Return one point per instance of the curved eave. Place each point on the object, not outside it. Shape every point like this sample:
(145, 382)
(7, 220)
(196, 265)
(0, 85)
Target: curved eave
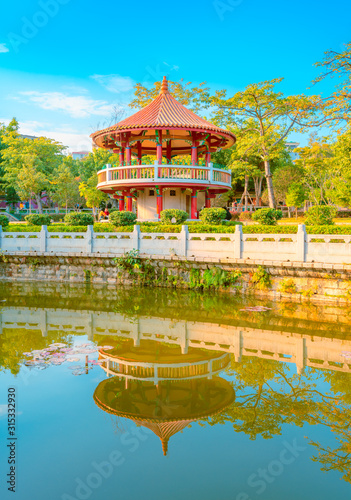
(99, 137)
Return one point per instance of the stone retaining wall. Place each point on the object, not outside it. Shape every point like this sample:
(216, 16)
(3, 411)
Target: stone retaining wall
(305, 281)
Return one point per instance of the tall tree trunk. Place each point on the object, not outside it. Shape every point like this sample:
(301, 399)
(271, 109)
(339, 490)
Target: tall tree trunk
(258, 189)
(246, 191)
(268, 175)
(38, 202)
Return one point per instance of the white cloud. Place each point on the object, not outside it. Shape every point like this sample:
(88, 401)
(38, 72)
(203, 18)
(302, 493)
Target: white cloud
(3, 48)
(115, 83)
(3, 410)
(76, 106)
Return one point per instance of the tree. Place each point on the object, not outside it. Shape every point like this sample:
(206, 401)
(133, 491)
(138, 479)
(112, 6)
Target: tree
(317, 166)
(39, 158)
(66, 188)
(11, 196)
(93, 197)
(247, 163)
(95, 161)
(267, 112)
(30, 182)
(195, 98)
(295, 197)
(340, 190)
(337, 64)
(6, 131)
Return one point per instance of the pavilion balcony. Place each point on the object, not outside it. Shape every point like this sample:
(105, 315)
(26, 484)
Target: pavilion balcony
(213, 175)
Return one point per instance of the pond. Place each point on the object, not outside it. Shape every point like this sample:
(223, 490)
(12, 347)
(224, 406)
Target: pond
(160, 394)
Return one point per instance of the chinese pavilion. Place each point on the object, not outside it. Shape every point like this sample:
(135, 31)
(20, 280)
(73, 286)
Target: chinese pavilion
(166, 130)
(159, 388)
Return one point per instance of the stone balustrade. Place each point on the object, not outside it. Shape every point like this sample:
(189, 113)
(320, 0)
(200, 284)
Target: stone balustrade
(299, 247)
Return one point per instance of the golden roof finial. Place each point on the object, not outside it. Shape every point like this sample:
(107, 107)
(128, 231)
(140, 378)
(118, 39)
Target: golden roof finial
(164, 86)
(164, 442)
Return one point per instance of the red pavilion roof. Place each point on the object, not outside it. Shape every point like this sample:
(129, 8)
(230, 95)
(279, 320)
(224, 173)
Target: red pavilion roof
(165, 112)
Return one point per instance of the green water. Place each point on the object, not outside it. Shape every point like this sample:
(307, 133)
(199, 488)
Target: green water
(161, 394)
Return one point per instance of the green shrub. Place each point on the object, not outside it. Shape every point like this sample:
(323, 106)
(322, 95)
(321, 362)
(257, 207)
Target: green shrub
(4, 222)
(37, 220)
(320, 215)
(244, 216)
(213, 215)
(261, 279)
(180, 216)
(267, 216)
(122, 218)
(287, 285)
(79, 219)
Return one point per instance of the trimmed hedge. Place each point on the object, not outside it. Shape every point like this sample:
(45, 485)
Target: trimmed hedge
(37, 220)
(320, 215)
(4, 222)
(213, 216)
(267, 216)
(172, 228)
(123, 218)
(79, 219)
(161, 228)
(269, 229)
(328, 229)
(167, 215)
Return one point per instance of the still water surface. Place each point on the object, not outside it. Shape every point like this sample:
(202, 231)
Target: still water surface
(156, 394)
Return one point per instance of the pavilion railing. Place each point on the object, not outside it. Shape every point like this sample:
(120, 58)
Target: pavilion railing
(177, 162)
(195, 173)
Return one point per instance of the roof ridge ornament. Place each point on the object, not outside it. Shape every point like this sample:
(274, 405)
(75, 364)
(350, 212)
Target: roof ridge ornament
(164, 86)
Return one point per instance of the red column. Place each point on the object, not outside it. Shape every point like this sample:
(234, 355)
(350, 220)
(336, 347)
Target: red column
(139, 153)
(208, 158)
(194, 204)
(194, 155)
(169, 152)
(129, 202)
(159, 201)
(121, 156)
(159, 148)
(121, 203)
(207, 200)
(128, 155)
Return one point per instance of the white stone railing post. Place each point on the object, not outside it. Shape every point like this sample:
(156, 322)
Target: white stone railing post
(184, 235)
(0, 236)
(210, 173)
(136, 238)
(108, 172)
(89, 240)
(43, 238)
(238, 241)
(301, 243)
(156, 165)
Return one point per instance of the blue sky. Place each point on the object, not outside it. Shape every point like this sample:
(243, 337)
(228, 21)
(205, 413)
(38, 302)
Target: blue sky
(64, 64)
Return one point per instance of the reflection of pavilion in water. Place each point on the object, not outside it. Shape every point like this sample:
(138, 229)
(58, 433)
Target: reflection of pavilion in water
(315, 347)
(158, 387)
